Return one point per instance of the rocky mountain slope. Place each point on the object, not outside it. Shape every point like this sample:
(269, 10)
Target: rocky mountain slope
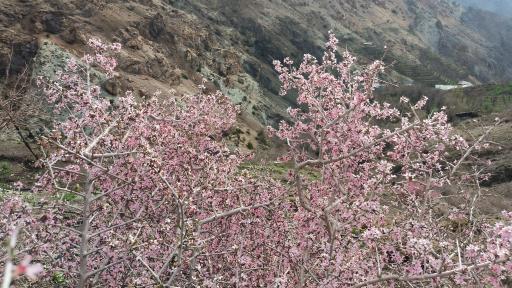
(175, 43)
(502, 7)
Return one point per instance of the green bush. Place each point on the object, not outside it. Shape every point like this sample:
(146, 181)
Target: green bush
(262, 138)
(59, 278)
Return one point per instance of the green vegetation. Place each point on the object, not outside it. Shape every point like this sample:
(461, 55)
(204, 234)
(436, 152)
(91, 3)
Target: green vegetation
(3, 187)
(278, 170)
(357, 231)
(441, 68)
(502, 90)
(480, 99)
(5, 169)
(7, 192)
(59, 278)
(69, 197)
(497, 98)
(262, 138)
(432, 70)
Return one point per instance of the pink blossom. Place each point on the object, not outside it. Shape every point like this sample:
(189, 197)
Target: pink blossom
(30, 270)
(18, 185)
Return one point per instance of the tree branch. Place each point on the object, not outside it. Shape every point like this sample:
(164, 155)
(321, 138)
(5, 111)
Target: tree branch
(468, 152)
(367, 146)
(87, 150)
(231, 213)
(430, 276)
(117, 226)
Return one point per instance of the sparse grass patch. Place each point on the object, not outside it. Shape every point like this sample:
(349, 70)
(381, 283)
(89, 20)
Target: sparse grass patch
(262, 138)
(69, 197)
(5, 169)
(279, 170)
(59, 278)
(6, 191)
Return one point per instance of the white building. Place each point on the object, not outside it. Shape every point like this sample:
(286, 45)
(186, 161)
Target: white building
(465, 84)
(461, 84)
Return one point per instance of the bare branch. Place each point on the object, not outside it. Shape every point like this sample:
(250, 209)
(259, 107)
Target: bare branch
(232, 212)
(117, 226)
(92, 273)
(468, 152)
(153, 274)
(430, 276)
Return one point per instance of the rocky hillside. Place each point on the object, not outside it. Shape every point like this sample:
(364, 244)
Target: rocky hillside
(174, 43)
(429, 41)
(502, 7)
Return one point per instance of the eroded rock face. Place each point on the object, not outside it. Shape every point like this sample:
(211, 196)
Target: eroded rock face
(156, 26)
(130, 37)
(52, 58)
(132, 65)
(157, 66)
(502, 7)
(427, 28)
(53, 22)
(74, 35)
(21, 57)
(135, 43)
(174, 41)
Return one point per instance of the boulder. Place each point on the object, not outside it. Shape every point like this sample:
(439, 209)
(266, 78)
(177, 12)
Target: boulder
(22, 55)
(113, 86)
(135, 43)
(74, 35)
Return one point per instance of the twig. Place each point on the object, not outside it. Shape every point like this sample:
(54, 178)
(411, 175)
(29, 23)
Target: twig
(468, 152)
(367, 146)
(232, 212)
(429, 276)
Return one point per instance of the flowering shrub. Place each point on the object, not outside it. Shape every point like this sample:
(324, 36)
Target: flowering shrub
(158, 191)
(161, 200)
(17, 218)
(374, 215)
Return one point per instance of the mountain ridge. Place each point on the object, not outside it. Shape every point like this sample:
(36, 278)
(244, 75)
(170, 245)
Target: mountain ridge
(173, 44)
(502, 7)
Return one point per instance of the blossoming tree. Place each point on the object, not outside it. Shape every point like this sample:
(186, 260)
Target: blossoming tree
(161, 201)
(156, 191)
(374, 216)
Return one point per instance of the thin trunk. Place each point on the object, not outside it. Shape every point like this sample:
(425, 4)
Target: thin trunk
(84, 247)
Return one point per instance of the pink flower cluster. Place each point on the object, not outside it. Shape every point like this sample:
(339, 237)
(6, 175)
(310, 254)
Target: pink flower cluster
(374, 209)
